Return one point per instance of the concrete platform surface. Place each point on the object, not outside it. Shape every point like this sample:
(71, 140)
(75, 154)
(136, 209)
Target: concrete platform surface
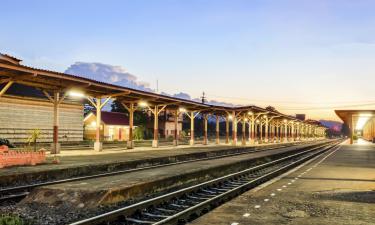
(334, 189)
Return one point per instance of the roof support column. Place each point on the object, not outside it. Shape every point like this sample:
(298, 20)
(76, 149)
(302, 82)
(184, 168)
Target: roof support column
(98, 146)
(261, 132)
(55, 100)
(5, 88)
(217, 129)
(130, 108)
(234, 128)
(56, 145)
(97, 103)
(252, 141)
(278, 137)
(266, 128)
(226, 130)
(175, 141)
(292, 134)
(192, 116)
(244, 129)
(351, 128)
(205, 137)
(285, 131)
(155, 141)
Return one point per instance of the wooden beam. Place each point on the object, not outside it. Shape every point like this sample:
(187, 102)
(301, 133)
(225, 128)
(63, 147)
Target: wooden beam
(5, 88)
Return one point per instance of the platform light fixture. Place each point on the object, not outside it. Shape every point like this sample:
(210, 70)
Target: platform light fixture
(142, 104)
(76, 94)
(230, 117)
(181, 109)
(250, 113)
(285, 120)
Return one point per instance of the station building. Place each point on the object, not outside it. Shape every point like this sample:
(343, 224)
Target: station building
(114, 126)
(24, 109)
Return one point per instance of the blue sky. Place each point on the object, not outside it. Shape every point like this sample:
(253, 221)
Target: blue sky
(300, 56)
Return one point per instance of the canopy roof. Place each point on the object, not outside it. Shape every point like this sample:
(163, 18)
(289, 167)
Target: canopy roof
(351, 116)
(12, 70)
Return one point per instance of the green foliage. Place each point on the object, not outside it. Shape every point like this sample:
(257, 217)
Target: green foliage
(355, 137)
(138, 133)
(34, 135)
(6, 142)
(12, 220)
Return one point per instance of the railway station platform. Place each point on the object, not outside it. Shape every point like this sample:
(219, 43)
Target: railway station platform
(336, 188)
(78, 163)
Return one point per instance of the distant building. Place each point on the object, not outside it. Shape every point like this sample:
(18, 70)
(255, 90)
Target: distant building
(166, 124)
(301, 116)
(114, 126)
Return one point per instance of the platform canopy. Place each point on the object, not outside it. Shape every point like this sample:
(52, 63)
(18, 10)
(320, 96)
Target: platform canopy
(358, 120)
(12, 71)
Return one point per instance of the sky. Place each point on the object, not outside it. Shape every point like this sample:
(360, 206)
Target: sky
(299, 56)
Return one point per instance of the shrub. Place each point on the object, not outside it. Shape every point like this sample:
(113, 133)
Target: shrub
(12, 220)
(34, 135)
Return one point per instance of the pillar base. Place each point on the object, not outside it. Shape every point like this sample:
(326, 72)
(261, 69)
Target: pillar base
(243, 143)
(175, 142)
(57, 150)
(155, 143)
(285, 140)
(205, 142)
(217, 141)
(98, 146)
(234, 142)
(130, 144)
(191, 142)
(265, 140)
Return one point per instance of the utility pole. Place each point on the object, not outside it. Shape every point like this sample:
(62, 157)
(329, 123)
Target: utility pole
(203, 97)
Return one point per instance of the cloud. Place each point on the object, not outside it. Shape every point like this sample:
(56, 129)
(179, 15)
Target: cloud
(120, 76)
(107, 73)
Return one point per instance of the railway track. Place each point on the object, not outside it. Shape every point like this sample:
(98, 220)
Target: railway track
(188, 203)
(17, 193)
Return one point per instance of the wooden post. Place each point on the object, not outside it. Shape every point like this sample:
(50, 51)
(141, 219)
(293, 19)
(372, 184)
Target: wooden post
(205, 138)
(234, 128)
(286, 132)
(226, 130)
(155, 142)
(244, 130)
(130, 143)
(56, 145)
(217, 129)
(192, 128)
(98, 145)
(266, 130)
(130, 108)
(175, 141)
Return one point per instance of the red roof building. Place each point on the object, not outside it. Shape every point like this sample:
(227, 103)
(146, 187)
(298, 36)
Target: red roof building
(114, 126)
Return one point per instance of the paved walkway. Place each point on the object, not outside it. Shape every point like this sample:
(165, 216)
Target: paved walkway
(334, 189)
